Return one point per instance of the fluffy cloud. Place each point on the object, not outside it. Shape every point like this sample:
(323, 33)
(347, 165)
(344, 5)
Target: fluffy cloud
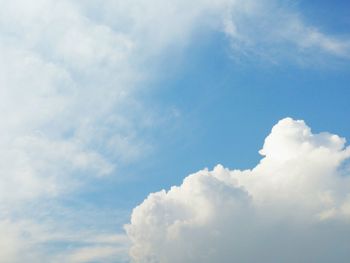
(65, 84)
(54, 94)
(292, 207)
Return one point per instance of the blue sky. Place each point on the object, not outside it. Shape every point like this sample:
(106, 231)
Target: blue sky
(104, 104)
(224, 109)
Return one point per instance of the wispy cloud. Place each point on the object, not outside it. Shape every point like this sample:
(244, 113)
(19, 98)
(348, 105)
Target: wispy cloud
(274, 31)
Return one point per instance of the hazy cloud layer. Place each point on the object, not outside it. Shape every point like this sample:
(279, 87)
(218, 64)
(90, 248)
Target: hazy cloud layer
(294, 206)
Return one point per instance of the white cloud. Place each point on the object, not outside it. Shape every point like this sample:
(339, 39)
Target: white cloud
(71, 75)
(274, 31)
(66, 81)
(13, 239)
(97, 248)
(292, 207)
(28, 237)
(53, 97)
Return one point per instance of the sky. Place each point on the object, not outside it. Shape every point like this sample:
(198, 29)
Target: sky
(152, 131)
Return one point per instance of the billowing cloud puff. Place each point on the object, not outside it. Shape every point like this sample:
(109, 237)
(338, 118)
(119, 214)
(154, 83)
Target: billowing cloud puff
(294, 206)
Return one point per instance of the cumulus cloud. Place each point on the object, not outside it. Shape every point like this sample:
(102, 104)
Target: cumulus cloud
(292, 207)
(54, 94)
(66, 81)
